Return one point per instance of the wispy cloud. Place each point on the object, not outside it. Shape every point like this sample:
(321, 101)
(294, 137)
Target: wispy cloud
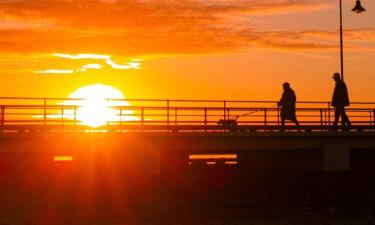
(21, 24)
(133, 64)
(90, 66)
(82, 56)
(55, 71)
(107, 61)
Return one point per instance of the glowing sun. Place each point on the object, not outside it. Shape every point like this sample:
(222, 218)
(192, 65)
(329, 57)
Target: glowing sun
(95, 109)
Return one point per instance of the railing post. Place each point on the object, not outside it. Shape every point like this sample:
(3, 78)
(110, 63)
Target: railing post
(325, 117)
(329, 113)
(2, 118)
(225, 109)
(278, 116)
(142, 118)
(321, 119)
(175, 116)
(120, 114)
(370, 120)
(75, 116)
(107, 106)
(205, 119)
(373, 117)
(168, 114)
(265, 118)
(44, 111)
(62, 117)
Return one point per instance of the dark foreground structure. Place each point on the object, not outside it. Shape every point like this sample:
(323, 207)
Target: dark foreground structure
(152, 165)
(280, 164)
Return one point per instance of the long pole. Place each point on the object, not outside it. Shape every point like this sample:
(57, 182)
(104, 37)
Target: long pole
(341, 44)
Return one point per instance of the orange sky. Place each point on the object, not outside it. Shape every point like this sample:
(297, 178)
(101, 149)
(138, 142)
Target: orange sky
(193, 49)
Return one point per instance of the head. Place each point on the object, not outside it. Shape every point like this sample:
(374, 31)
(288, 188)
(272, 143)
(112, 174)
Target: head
(286, 85)
(336, 76)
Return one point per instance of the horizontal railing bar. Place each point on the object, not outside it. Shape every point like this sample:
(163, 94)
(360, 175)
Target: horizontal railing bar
(209, 109)
(72, 107)
(187, 126)
(173, 100)
(200, 122)
(164, 125)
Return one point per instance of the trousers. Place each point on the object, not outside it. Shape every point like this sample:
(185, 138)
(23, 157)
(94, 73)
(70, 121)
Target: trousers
(340, 112)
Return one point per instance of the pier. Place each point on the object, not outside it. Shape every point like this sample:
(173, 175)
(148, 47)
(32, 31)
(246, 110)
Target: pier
(181, 144)
(158, 115)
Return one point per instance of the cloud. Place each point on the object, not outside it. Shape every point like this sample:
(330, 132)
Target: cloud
(130, 65)
(90, 66)
(310, 39)
(19, 24)
(136, 27)
(55, 71)
(133, 64)
(107, 59)
(82, 56)
(157, 27)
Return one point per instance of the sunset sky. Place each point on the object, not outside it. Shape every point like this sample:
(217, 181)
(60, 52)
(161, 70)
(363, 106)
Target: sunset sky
(185, 49)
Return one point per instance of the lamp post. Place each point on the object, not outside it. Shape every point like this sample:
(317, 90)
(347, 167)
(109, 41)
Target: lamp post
(357, 9)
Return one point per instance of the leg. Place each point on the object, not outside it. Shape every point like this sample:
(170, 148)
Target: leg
(345, 118)
(341, 113)
(282, 128)
(297, 123)
(337, 117)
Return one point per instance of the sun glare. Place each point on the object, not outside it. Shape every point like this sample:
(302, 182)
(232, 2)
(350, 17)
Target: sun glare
(95, 109)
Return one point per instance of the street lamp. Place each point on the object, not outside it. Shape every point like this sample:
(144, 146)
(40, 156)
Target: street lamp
(357, 9)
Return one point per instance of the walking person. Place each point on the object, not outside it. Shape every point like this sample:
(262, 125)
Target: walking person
(340, 100)
(288, 106)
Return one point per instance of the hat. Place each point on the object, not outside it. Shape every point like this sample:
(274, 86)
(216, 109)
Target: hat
(336, 75)
(286, 84)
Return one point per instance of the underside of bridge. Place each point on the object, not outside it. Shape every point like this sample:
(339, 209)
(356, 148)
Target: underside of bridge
(289, 162)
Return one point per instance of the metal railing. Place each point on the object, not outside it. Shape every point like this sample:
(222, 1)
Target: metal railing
(63, 114)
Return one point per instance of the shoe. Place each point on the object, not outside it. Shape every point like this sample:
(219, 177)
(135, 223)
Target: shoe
(346, 128)
(333, 129)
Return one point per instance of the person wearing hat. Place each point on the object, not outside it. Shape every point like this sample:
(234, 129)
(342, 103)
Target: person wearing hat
(288, 105)
(340, 100)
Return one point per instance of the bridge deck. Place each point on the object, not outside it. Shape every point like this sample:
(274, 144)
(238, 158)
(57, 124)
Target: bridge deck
(182, 128)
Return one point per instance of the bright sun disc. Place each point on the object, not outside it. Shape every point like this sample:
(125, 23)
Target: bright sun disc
(95, 109)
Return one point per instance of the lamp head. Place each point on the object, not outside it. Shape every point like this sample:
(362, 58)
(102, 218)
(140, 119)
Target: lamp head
(358, 7)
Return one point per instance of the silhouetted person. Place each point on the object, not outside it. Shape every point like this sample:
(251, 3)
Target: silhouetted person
(288, 106)
(340, 99)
